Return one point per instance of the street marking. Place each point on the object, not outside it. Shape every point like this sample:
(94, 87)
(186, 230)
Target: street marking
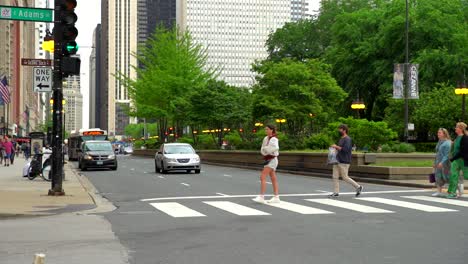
(161, 177)
(222, 194)
(297, 208)
(186, 184)
(266, 182)
(236, 209)
(227, 175)
(282, 195)
(322, 191)
(176, 210)
(438, 200)
(350, 206)
(415, 206)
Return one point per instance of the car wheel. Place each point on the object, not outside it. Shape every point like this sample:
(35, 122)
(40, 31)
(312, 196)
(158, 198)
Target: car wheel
(156, 167)
(197, 171)
(163, 171)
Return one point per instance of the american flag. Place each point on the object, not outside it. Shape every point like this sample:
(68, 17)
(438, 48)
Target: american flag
(4, 90)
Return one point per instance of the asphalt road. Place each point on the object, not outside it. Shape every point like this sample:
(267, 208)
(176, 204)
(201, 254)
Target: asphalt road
(209, 218)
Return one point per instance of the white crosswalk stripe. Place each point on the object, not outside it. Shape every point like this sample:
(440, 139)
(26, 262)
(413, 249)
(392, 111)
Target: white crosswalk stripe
(350, 206)
(297, 208)
(176, 210)
(236, 209)
(438, 200)
(415, 206)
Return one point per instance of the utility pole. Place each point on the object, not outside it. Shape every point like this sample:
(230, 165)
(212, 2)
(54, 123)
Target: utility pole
(406, 86)
(64, 45)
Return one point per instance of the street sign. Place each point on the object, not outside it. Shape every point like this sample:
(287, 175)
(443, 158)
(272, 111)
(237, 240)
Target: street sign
(26, 14)
(36, 62)
(42, 79)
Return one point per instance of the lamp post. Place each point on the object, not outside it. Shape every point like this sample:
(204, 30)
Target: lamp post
(462, 90)
(358, 105)
(280, 121)
(311, 123)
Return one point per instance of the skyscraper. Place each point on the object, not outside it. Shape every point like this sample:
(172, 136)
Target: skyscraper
(73, 108)
(299, 10)
(119, 37)
(96, 100)
(234, 32)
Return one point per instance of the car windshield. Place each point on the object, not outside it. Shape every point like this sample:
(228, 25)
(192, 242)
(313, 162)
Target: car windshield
(98, 147)
(178, 150)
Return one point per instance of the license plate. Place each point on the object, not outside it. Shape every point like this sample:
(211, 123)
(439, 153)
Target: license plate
(99, 163)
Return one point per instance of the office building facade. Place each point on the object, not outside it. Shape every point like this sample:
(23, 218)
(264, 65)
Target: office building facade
(234, 32)
(119, 40)
(299, 10)
(73, 107)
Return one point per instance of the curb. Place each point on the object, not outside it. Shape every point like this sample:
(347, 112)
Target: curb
(102, 204)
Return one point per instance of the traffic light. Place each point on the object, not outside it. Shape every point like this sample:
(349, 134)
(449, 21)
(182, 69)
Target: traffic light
(65, 33)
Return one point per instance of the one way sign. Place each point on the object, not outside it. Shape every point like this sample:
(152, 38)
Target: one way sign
(42, 79)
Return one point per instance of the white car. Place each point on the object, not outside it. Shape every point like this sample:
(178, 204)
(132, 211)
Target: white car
(176, 156)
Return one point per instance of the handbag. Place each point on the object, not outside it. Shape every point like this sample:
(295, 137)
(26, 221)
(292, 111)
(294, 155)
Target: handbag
(332, 159)
(432, 178)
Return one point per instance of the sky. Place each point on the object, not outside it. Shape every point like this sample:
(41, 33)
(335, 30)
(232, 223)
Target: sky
(89, 15)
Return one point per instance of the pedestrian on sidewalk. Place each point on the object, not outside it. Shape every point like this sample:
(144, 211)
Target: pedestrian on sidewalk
(270, 152)
(8, 146)
(458, 169)
(344, 155)
(26, 150)
(2, 150)
(442, 161)
(13, 152)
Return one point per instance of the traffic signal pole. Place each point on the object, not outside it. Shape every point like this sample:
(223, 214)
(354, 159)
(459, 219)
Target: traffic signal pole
(57, 153)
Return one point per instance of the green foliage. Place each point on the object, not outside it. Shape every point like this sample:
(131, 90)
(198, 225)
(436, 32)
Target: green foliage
(398, 148)
(149, 143)
(234, 138)
(364, 133)
(296, 40)
(319, 141)
(206, 141)
(293, 90)
(425, 147)
(219, 105)
(187, 140)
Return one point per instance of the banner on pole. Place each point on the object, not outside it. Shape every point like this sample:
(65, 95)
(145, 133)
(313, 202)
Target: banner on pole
(398, 77)
(413, 92)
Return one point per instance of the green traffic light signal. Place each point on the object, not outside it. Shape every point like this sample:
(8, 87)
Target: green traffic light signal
(71, 47)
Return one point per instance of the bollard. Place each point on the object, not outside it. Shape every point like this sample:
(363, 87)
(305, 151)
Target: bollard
(39, 258)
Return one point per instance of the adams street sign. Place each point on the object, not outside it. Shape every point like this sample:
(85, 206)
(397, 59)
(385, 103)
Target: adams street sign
(26, 14)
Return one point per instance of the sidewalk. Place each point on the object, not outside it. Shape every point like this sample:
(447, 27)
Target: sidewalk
(66, 228)
(23, 197)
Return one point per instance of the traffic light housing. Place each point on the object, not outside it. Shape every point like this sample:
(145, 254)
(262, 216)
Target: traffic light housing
(65, 33)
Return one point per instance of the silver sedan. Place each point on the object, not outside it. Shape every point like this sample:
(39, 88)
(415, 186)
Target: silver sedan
(176, 156)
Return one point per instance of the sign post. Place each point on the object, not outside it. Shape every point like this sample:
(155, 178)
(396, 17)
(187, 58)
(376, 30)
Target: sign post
(42, 79)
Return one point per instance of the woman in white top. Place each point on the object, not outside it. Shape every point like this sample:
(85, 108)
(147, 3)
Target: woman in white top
(270, 152)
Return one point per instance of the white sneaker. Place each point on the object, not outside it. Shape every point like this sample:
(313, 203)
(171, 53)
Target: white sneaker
(436, 194)
(275, 199)
(259, 199)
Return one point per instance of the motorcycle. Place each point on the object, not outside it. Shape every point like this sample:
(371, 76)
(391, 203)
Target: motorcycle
(40, 165)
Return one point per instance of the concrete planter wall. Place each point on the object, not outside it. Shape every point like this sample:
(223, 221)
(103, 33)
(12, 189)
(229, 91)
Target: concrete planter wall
(316, 163)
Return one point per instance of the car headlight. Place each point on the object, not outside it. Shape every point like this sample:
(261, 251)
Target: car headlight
(111, 157)
(171, 160)
(196, 159)
(88, 157)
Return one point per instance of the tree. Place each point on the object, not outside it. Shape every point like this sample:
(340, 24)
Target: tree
(294, 91)
(172, 67)
(218, 106)
(296, 40)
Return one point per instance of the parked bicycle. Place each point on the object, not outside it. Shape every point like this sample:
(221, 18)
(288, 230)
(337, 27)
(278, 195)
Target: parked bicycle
(40, 165)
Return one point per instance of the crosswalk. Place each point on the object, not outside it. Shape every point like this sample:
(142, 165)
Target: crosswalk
(372, 205)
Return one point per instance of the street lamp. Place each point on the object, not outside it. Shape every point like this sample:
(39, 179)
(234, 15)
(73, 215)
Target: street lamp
(358, 105)
(462, 90)
(280, 121)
